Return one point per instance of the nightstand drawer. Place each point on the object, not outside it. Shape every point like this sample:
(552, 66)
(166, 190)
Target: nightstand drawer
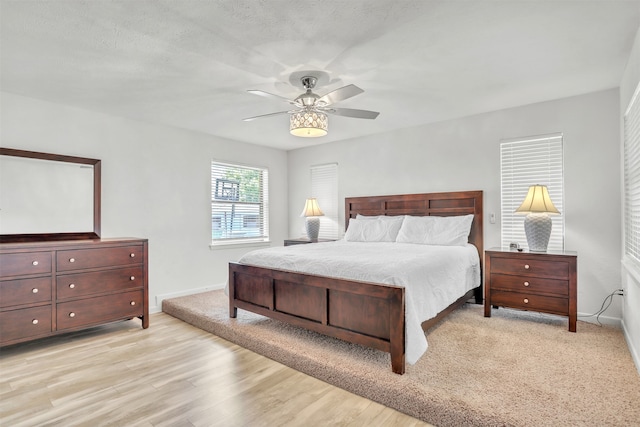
(530, 267)
(534, 285)
(530, 302)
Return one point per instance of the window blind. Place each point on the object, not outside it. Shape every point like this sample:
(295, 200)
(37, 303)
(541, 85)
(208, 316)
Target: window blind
(632, 178)
(239, 203)
(324, 187)
(525, 162)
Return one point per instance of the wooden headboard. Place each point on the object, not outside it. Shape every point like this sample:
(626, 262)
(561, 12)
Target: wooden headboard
(438, 204)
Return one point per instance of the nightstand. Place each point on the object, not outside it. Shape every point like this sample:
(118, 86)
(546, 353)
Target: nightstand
(535, 281)
(302, 241)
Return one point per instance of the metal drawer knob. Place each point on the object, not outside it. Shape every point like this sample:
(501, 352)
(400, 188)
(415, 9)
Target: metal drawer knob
(132, 303)
(132, 278)
(526, 266)
(34, 321)
(72, 285)
(526, 300)
(72, 314)
(526, 283)
(72, 260)
(34, 290)
(35, 263)
(132, 255)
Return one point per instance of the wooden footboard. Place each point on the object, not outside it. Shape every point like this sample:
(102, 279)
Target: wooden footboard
(364, 313)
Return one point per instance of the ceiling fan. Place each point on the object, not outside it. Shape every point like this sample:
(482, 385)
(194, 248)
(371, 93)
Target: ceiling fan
(309, 116)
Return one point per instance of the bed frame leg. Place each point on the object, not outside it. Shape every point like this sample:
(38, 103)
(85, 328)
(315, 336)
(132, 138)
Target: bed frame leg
(397, 332)
(233, 310)
(477, 292)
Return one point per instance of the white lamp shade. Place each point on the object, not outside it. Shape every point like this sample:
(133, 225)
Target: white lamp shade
(311, 208)
(537, 201)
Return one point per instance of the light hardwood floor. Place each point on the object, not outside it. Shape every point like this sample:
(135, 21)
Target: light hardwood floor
(171, 374)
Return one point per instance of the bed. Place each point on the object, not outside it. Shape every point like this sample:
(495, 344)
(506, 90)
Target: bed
(359, 311)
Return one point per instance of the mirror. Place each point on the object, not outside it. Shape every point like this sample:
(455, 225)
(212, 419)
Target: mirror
(48, 196)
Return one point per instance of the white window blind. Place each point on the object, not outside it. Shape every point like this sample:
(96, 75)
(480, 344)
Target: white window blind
(632, 179)
(324, 187)
(239, 203)
(525, 162)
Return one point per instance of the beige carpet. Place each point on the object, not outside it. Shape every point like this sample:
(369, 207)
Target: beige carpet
(513, 369)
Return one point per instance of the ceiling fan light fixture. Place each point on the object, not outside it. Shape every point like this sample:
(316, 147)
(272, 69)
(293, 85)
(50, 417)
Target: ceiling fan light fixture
(308, 123)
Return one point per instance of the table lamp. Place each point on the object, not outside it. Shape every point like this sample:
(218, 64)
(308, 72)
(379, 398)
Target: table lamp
(312, 223)
(537, 224)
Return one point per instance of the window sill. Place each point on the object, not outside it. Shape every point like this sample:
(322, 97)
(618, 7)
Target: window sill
(234, 245)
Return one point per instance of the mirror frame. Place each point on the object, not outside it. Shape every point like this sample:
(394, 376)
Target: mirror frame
(97, 180)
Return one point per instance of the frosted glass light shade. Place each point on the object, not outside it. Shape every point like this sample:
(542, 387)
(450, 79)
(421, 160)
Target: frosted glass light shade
(308, 124)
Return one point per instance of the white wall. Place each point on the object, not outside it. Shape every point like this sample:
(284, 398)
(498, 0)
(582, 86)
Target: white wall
(630, 270)
(463, 154)
(155, 184)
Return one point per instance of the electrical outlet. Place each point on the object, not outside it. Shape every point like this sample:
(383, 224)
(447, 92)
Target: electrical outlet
(492, 218)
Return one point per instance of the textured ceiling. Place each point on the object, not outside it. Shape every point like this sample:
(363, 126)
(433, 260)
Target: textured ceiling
(188, 63)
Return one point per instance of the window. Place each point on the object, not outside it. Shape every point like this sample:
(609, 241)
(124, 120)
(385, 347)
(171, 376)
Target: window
(525, 162)
(324, 187)
(239, 204)
(632, 179)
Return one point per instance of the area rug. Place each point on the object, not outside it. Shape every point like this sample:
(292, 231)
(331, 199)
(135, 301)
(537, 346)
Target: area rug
(513, 369)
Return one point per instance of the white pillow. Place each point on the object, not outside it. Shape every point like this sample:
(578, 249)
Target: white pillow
(436, 230)
(373, 230)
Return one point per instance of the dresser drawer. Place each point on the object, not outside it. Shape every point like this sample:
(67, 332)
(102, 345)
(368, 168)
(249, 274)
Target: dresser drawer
(89, 311)
(20, 264)
(95, 258)
(530, 267)
(530, 302)
(534, 285)
(28, 322)
(76, 285)
(25, 291)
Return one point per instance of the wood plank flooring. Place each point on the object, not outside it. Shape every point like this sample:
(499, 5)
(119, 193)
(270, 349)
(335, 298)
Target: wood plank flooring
(171, 374)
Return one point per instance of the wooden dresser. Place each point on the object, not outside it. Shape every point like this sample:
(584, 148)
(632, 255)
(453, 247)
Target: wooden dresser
(47, 288)
(544, 282)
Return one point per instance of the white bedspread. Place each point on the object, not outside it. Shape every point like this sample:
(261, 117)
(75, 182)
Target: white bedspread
(433, 276)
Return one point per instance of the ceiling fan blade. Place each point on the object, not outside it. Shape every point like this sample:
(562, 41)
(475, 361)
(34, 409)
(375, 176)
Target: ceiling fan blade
(350, 112)
(248, 119)
(270, 95)
(340, 94)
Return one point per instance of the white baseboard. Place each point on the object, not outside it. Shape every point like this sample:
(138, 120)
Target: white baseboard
(632, 349)
(159, 298)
